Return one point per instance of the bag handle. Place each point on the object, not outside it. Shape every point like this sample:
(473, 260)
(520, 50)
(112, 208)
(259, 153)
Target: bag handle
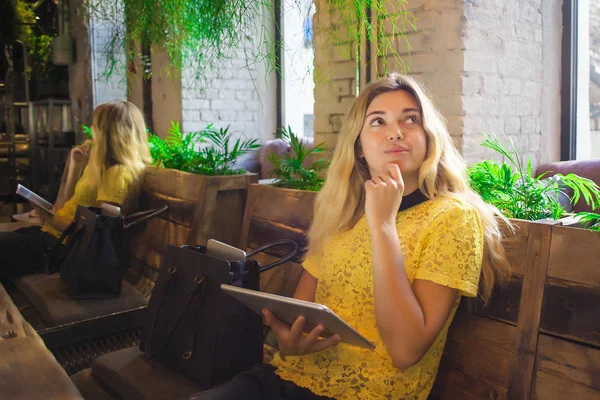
(200, 280)
(141, 216)
(288, 257)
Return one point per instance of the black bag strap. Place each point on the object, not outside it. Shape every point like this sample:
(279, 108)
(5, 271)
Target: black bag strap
(200, 281)
(288, 257)
(141, 216)
(70, 230)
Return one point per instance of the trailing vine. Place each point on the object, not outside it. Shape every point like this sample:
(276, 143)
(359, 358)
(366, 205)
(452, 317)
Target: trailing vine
(199, 33)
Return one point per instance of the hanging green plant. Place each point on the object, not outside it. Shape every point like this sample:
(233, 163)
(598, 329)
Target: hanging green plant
(40, 49)
(198, 33)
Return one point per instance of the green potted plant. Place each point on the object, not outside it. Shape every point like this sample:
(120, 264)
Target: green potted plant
(297, 179)
(518, 194)
(295, 170)
(199, 167)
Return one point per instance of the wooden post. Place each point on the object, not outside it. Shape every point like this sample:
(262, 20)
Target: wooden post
(522, 368)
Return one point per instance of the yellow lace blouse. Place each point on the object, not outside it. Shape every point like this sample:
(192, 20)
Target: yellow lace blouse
(442, 241)
(115, 188)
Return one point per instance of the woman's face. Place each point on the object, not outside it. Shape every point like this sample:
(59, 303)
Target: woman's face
(393, 133)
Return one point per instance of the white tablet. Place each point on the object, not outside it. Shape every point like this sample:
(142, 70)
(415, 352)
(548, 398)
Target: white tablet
(288, 309)
(224, 251)
(34, 198)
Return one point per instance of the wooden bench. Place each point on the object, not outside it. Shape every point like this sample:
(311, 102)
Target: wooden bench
(537, 339)
(62, 319)
(133, 375)
(540, 336)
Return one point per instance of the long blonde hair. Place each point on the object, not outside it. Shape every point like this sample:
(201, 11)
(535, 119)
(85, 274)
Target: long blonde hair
(340, 204)
(120, 138)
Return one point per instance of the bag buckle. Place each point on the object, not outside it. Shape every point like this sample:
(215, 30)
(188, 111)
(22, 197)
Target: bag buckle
(187, 355)
(199, 279)
(172, 269)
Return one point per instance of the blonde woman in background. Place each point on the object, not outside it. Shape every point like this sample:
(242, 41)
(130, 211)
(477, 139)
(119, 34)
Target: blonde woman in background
(114, 175)
(398, 237)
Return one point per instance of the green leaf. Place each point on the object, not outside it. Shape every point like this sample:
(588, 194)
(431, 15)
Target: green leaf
(288, 170)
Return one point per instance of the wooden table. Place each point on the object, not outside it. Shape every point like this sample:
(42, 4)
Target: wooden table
(27, 368)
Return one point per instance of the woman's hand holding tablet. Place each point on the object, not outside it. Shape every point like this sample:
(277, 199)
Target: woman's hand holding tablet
(287, 310)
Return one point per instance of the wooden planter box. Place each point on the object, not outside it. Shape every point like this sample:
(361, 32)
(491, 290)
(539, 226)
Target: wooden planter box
(200, 208)
(273, 214)
(539, 338)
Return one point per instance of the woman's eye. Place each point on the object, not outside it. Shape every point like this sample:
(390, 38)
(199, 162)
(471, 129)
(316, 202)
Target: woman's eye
(377, 122)
(412, 119)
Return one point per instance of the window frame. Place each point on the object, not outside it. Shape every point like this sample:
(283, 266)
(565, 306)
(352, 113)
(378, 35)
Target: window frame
(569, 65)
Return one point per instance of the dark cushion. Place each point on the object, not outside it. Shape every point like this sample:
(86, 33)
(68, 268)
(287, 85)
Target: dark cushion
(91, 388)
(134, 375)
(48, 295)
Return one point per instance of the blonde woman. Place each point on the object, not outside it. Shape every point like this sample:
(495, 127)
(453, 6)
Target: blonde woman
(398, 237)
(114, 175)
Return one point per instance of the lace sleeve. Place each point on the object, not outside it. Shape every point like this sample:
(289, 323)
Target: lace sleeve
(452, 250)
(311, 267)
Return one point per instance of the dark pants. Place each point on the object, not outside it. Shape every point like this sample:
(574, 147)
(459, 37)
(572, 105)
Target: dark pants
(259, 383)
(22, 251)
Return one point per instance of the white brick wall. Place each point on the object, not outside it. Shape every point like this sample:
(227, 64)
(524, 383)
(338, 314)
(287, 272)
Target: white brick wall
(230, 94)
(502, 76)
(493, 67)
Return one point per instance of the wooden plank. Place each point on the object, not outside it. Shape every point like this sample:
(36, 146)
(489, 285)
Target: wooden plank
(458, 386)
(522, 366)
(253, 192)
(550, 387)
(179, 184)
(515, 245)
(263, 231)
(203, 219)
(156, 233)
(235, 182)
(576, 366)
(179, 211)
(286, 206)
(476, 359)
(574, 255)
(504, 303)
(572, 311)
(228, 218)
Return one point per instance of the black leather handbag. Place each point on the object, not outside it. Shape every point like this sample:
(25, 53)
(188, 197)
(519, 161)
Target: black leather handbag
(195, 328)
(91, 262)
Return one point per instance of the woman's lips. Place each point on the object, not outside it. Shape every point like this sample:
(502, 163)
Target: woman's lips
(397, 151)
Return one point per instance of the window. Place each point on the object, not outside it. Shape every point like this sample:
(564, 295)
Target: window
(581, 80)
(297, 84)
